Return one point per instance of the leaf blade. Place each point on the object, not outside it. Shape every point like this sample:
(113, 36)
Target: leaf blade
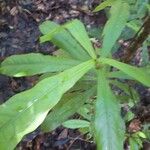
(59, 36)
(76, 123)
(34, 63)
(77, 30)
(103, 5)
(140, 74)
(114, 26)
(24, 112)
(68, 105)
(109, 127)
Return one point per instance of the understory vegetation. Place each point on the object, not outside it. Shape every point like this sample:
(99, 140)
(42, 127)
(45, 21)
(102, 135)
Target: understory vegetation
(93, 82)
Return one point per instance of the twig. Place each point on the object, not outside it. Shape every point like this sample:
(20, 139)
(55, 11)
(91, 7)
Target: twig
(138, 41)
(68, 148)
(77, 138)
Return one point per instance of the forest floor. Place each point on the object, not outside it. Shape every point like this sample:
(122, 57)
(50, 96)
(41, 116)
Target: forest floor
(19, 34)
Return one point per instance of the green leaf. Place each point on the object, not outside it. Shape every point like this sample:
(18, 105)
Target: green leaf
(146, 130)
(76, 123)
(141, 134)
(114, 26)
(65, 38)
(61, 112)
(145, 54)
(68, 105)
(77, 30)
(129, 116)
(103, 5)
(85, 112)
(133, 144)
(127, 90)
(109, 126)
(24, 112)
(124, 87)
(31, 64)
(133, 25)
(119, 74)
(122, 75)
(141, 8)
(123, 98)
(137, 73)
(95, 33)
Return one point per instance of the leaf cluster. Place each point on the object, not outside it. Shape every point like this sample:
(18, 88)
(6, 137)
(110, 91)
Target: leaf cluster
(79, 81)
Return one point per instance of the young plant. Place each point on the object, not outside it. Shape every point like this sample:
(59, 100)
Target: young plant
(76, 81)
(135, 140)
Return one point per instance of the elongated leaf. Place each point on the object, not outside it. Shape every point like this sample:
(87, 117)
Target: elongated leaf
(68, 105)
(24, 112)
(122, 75)
(109, 127)
(31, 64)
(119, 74)
(145, 54)
(103, 5)
(114, 26)
(137, 73)
(76, 123)
(127, 89)
(77, 30)
(63, 39)
(64, 109)
(124, 87)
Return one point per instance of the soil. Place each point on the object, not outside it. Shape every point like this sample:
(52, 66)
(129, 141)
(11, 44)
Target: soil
(19, 34)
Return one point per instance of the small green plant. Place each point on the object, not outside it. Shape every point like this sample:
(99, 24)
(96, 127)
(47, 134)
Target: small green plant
(135, 140)
(78, 80)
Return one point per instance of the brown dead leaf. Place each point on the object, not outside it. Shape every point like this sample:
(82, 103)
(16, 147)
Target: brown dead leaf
(134, 126)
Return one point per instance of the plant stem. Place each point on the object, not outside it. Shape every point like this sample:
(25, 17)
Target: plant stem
(138, 40)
